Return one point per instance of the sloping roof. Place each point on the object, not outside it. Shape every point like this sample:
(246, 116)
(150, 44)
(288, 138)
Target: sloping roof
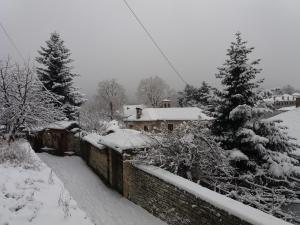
(58, 125)
(129, 110)
(61, 125)
(158, 114)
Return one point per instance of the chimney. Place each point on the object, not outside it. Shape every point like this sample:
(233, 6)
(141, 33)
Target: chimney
(139, 113)
(166, 103)
(297, 101)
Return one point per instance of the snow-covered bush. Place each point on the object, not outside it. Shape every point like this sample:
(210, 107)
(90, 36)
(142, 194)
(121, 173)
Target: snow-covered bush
(64, 201)
(17, 154)
(93, 119)
(189, 151)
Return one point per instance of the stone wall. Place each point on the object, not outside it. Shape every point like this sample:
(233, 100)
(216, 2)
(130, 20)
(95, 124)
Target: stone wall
(106, 162)
(98, 160)
(73, 143)
(175, 203)
(177, 206)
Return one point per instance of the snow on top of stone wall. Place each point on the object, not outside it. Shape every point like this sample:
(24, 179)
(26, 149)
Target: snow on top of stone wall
(238, 209)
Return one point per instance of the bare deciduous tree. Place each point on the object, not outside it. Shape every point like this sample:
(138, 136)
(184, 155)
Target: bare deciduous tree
(111, 97)
(152, 90)
(24, 103)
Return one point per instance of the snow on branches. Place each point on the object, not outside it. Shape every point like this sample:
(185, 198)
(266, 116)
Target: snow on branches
(24, 103)
(259, 149)
(55, 73)
(189, 151)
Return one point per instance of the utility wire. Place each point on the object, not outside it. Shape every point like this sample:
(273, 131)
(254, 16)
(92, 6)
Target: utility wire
(23, 58)
(154, 42)
(12, 42)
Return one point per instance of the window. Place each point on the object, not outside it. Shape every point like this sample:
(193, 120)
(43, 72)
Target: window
(170, 127)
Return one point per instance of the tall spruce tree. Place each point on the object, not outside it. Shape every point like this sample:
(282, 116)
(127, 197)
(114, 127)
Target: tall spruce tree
(238, 78)
(55, 73)
(259, 148)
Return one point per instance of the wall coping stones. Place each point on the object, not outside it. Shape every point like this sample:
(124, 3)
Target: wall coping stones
(233, 207)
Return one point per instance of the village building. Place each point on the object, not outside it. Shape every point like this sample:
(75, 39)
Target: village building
(281, 101)
(149, 119)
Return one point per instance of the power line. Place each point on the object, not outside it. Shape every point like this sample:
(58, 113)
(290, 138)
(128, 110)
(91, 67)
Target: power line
(23, 58)
(12, 42)
(154, 42)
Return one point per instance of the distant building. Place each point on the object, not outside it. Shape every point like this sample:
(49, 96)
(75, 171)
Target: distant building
(281, 101)
(149, 119)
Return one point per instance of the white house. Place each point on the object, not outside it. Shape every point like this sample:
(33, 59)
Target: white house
(149, 119)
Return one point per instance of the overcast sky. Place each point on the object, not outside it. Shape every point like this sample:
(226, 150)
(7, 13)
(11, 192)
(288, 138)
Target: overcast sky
(106, 41)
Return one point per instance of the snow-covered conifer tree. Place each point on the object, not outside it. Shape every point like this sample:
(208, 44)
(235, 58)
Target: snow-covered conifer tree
(259, 148)
(188, 97)
(202, 97)
(55, 73)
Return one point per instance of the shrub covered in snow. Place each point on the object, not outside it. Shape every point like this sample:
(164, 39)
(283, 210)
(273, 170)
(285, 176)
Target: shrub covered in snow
(17, 155)
(189, 151)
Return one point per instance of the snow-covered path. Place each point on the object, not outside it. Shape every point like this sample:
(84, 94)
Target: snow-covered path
(104, 206)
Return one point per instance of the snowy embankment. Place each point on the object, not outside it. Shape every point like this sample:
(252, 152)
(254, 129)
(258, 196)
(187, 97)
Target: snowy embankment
(30, 193)
(291, 120)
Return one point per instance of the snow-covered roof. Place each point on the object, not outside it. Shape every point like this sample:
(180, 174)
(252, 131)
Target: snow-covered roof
(279, 98)
(93, 139)
(58, 125)
(158, 114)
(129, 110)
(61, 125)
(124, 139)
(296, 94)
(233, 207)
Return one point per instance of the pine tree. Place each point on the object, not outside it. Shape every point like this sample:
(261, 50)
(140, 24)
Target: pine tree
(258, 148)
(204, 94)
(237, 75)
(55, 73)
(188, 97)
(202, 97)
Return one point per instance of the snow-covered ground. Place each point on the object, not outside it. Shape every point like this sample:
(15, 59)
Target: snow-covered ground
(35, 196)
(291, 120)
(102, 204)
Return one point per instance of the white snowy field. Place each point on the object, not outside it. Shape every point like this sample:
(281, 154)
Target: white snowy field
(103, 205)
(33, 195)
(291, 119)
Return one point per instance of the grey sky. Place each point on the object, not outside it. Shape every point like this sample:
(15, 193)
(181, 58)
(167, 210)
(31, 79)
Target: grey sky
(106, 41)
